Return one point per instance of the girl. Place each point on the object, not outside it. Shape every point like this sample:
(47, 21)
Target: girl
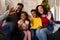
(23, 24)
(46, 20)
(36, 24)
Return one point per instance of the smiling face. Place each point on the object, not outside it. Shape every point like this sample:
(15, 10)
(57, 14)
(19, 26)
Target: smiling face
(19, 8)
(23, 16)
(33, 13)
(40, 10)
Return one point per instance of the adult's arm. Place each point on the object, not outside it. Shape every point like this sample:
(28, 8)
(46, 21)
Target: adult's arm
(2, 17)
(50, 17)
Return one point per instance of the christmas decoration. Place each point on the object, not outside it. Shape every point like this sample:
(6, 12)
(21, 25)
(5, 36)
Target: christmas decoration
(45, 4)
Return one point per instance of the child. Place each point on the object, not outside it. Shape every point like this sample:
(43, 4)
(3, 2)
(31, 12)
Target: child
(45, 21)
(23, 24)
(36, 23)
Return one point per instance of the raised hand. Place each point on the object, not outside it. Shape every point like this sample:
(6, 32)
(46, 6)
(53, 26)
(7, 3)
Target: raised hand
(49, 15)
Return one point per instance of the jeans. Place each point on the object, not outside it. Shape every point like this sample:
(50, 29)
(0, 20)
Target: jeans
(42, 33)
(33, 34)
(56, 27)
(20, 35)
(7, 29)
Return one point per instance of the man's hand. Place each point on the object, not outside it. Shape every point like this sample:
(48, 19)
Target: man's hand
(11, 11)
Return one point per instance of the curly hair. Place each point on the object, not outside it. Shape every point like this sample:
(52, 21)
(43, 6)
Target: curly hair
(44, 9)
(23, 12)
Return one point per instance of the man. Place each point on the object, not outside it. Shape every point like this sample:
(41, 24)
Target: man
(11, 22)
(20, 34)
(19, 9)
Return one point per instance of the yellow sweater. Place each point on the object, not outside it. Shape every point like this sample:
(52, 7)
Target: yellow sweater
(36, 23)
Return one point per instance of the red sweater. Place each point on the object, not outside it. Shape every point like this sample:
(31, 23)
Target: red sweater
(45, 22)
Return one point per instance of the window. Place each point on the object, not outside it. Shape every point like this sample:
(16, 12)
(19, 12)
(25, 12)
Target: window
(57, 9)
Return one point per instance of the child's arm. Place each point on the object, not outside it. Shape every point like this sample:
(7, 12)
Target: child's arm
(19, 25)
(26, 27)
(31, 21)
(49, 17)
(40, 23)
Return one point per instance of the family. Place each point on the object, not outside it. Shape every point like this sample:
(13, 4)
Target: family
(18, 25)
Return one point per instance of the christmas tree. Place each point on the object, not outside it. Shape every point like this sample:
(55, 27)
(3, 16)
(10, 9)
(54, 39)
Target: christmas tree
(45, 4)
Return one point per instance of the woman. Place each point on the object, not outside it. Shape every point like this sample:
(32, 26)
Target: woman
(47, 22)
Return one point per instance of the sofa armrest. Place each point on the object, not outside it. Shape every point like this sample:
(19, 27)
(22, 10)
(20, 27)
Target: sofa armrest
(57, 22)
